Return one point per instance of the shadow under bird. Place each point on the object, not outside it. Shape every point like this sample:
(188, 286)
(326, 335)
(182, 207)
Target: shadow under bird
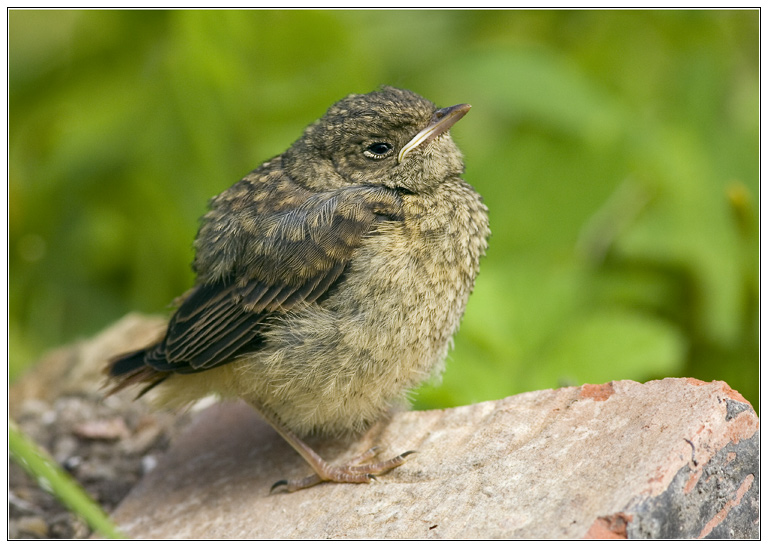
(330, 280)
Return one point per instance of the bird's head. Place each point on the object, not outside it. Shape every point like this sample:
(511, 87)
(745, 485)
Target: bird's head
(390, 137)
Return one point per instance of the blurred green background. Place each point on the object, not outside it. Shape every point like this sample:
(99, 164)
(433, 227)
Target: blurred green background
(618, 153)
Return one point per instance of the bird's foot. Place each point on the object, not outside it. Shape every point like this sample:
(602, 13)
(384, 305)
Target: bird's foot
(353, 472)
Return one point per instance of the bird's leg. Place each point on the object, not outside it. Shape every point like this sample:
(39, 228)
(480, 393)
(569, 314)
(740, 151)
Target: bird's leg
(353, 472)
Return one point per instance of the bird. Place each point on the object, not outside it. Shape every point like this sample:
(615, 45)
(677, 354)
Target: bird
(329, 281)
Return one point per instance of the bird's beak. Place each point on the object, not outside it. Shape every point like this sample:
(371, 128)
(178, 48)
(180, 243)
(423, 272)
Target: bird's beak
(442, 120)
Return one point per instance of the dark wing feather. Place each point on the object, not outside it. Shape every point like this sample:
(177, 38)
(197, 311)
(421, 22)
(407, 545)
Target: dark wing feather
(207, 323)
(255, 262)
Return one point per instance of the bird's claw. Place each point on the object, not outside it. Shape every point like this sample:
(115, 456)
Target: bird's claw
(351, 473)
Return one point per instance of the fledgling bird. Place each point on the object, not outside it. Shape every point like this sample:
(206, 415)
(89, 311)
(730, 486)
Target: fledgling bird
(330, 280)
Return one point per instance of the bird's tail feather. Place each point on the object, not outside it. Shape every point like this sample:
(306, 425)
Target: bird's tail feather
(132, 369)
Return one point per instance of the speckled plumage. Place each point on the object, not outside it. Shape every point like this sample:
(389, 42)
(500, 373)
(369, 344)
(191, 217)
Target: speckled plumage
(331, 279)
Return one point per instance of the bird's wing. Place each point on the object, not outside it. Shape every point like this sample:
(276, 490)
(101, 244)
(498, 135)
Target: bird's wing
(256, 262)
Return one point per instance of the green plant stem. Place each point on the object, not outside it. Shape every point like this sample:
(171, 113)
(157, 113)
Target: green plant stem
(52, 478)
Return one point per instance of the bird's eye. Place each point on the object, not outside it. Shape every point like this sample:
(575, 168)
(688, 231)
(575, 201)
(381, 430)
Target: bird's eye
(378, 150)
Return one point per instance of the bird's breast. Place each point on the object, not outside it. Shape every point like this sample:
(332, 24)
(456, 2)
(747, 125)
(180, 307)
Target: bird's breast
(410, 281)
(386, 326)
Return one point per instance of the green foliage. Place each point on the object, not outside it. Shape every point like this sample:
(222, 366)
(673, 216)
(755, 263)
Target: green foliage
(618, 153)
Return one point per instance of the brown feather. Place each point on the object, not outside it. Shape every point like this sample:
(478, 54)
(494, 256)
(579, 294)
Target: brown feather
(283, 259)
